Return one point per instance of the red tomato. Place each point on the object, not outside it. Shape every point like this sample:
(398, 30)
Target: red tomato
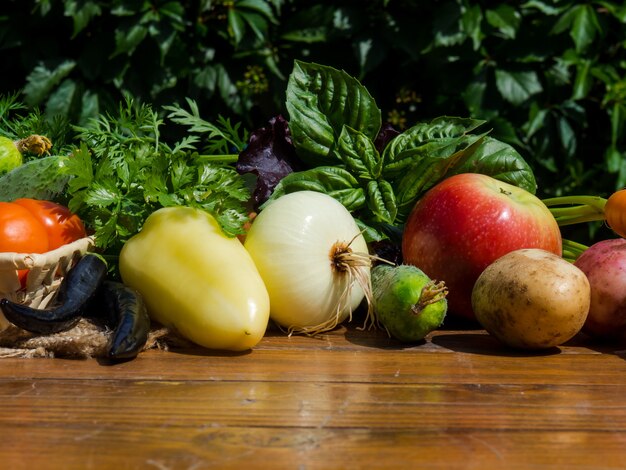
(21, 232)
(61, 225)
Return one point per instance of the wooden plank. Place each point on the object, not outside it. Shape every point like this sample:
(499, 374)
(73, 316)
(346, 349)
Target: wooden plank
(339, 365)
(102, 424)
(423, 407)
(348, 399)
(312, 448)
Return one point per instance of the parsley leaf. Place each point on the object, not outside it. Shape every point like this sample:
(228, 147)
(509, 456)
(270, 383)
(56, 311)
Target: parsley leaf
(122, 172)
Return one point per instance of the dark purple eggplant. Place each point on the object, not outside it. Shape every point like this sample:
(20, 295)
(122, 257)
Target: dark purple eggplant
(76, 291)
(124, 310)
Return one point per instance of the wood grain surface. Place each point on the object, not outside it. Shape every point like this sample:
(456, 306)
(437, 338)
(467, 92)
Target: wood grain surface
(348, 399)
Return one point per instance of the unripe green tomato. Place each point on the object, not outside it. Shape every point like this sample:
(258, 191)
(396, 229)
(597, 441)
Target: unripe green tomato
(407, 302)
(10, 156)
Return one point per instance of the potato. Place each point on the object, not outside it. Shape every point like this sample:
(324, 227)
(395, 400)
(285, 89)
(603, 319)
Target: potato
(531, 299)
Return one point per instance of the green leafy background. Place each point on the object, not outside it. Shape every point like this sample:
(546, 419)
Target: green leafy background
(548, 77)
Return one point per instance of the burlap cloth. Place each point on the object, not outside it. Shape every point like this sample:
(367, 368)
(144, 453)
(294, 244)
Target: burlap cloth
(85, 340)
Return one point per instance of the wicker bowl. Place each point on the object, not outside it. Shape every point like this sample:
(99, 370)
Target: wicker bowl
(46, 270)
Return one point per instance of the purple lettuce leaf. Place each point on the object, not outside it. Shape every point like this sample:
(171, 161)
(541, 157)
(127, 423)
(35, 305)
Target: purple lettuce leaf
(386, 133)
(270, 155)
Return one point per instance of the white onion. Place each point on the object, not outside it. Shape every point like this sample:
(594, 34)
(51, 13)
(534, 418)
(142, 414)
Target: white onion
(313, 259)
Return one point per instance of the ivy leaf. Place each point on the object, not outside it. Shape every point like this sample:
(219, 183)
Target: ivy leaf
(612, 158)
(320, 101)
(567, 136)
(536, 120)
(582, 23)
(517, 86)
(584, 26)
(62, 99)
(445, 25)
(313, 24)
(261, 7)
(617, 10)
(128, 38)
(81, 13)
(256, 22)
(471, 20)
(236, 24)
(254, 14)
(42, 80)
(583, 81)
(505, 19)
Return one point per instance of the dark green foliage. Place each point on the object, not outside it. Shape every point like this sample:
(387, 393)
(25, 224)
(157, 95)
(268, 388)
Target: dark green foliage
(548, 77)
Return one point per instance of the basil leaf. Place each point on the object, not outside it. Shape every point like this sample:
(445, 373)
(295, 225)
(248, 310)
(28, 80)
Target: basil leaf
(430, 168)
(381, 201)
(334, 181)
(407, 159)
(358, 153)
(438, 128)
(501, 161)
(320, 101)
(370, 232)
(440, 138)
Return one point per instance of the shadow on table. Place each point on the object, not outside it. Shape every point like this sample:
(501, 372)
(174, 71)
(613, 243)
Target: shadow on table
(484, 344)
(457, 335)
(466, 336)
(603, 346)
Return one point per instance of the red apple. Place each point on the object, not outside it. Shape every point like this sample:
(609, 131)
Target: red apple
(466, 222)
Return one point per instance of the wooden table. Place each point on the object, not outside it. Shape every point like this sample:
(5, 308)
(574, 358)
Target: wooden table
(349, 399)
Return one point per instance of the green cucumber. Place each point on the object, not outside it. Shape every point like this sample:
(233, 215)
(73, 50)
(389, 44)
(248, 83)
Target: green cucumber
(407, 303)
(42, 178)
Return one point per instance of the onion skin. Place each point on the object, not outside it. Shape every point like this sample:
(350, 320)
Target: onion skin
(291, 242)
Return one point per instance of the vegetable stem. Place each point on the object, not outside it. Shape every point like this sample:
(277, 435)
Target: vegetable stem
(577, 209)
(572, 250)
(432, 292)
(229, 158)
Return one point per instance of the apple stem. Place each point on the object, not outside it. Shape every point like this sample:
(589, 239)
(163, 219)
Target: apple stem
(432, 292)
(578, 209)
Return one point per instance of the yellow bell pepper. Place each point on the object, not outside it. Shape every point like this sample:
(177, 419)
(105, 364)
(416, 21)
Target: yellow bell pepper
(197, 280)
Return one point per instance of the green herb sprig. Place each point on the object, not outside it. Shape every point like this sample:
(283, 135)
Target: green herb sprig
(122, 172)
